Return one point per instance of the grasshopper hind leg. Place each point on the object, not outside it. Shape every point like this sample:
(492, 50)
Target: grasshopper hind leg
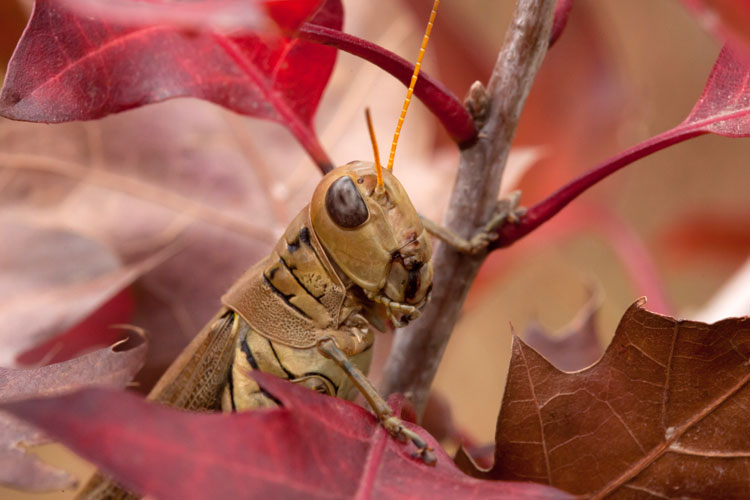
(395, 427)
(242, 392)
(304, 367)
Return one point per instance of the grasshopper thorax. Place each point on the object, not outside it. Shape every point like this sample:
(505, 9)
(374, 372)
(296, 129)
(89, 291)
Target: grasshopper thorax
(375, 237)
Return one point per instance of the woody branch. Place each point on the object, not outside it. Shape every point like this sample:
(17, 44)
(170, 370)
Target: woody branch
(418, 349)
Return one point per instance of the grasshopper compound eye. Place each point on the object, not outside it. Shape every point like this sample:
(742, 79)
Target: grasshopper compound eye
(345, 205)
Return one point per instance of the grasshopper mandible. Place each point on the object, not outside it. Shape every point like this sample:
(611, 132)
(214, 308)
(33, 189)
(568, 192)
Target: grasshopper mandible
(356, 255)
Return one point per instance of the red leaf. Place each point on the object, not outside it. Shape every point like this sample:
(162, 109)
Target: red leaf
(314, 447)
(562, 11)
(195, 16)
(724, 105)
(729, 19)
(69, 66)
(93, 331)
(662, 414)
(56, 291)
(710, 230)
(114, 366)
(723, 108)
(290, 14)
(446, 107)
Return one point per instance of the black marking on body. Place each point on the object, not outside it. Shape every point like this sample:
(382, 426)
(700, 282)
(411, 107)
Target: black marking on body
(266, 394)
(304, 235)
(245, 347)
(230, 382)
(412, 284)
(323, 376)
(293, 246)
(291, 270)
(286, 298)
(272, 272)
(289, 374)
(272, 397)
(248, 354)
(228, 320)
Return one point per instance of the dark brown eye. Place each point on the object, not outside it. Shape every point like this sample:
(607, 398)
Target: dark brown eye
(344, 203)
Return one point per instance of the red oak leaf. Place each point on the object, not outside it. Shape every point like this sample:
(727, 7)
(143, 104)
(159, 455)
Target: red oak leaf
(724, 105)
(728, 19)
(78, 339)
(313, 447)
(220, 15)
(69, 66)
(661, 415)
(55, 281)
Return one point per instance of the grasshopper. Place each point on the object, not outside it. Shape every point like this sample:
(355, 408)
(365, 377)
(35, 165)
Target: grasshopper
(357, 255)
(304, 312)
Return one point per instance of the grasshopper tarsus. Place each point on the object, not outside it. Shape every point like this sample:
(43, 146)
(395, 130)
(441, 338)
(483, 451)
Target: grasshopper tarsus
(506, 211)
(425, 455)
(398, 430)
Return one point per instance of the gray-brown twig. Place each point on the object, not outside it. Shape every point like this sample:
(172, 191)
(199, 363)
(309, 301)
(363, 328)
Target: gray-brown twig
(418, 349)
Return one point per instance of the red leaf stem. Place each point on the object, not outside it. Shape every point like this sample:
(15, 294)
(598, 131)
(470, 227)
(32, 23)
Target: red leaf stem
(438, 99)
(550, 206)
(562, 11)
(723, 109)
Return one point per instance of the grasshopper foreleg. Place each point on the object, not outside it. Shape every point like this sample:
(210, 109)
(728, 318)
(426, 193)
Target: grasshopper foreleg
(391, 306)
(507, 209)
(395, 427)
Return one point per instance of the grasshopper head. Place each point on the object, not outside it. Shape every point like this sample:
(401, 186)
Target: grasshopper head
(374, 236)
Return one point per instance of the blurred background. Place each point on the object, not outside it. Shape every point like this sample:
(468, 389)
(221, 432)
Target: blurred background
(672, 226)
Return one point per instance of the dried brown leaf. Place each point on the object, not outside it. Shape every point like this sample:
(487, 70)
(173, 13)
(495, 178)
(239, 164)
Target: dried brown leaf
(662, 414)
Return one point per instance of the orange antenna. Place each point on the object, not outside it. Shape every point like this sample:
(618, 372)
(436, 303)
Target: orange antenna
(413, 82)
(375, 152)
